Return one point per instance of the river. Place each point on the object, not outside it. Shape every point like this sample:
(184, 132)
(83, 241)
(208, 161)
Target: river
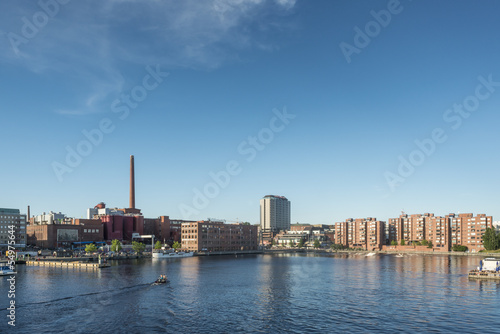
(287, 293)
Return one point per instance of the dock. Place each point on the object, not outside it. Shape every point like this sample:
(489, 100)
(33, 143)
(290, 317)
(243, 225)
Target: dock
(486, 274)
(69, 264)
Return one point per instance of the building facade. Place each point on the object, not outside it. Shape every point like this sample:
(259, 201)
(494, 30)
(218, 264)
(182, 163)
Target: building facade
(274, 216)
(12, 223)
(166, 230)
(366, 233)
(442, 232)
(214, 236)
(65, 235)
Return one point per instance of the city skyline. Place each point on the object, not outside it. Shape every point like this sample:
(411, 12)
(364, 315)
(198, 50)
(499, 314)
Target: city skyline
(349, 109)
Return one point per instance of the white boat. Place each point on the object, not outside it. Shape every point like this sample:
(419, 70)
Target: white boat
(170, 254)
(5, 271)
(370, 254)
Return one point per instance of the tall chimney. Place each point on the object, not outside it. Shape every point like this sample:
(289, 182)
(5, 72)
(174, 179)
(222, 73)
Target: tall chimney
(28, 214)
(132, 183)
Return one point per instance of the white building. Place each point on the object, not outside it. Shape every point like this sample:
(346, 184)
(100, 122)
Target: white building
(496, 226)
(51, 218)
(91, 212)
(274, 213)
(12, 222)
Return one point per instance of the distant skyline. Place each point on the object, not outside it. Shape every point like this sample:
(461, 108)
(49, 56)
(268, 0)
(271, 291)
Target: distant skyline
(350, 109)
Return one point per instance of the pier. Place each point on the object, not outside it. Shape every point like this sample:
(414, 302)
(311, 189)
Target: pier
(72, 264)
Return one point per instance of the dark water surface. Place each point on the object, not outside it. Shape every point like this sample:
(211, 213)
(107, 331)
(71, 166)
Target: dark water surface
(258, 294)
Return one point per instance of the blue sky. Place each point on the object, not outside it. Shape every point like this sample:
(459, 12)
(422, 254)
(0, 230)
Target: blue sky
(264, 88)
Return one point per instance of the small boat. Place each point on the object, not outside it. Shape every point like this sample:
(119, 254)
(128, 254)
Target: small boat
(370, 254)
(6, 270)
(161, 280)
(489, 268)
(399, 255)
(167, 254)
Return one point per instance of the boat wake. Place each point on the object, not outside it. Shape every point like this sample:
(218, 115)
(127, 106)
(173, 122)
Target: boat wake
(83, 295)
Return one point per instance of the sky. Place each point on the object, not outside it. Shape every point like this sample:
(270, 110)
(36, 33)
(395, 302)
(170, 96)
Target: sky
(350, 109)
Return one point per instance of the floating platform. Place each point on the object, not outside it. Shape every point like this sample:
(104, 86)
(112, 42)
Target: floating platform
(486, 274)
(70, 264)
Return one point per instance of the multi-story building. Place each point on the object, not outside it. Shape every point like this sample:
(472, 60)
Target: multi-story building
(496, 226)
(366, 233)
(12, 223)
(437, 232)
(442, 232)
(408, 228)
(341, 234)
(213, 236)
(467, 230)
(164, 229)
(50, 218)
(65, 235)
(274, 215)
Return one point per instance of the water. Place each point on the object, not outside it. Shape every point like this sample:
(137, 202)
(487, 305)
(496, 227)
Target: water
(299, 293)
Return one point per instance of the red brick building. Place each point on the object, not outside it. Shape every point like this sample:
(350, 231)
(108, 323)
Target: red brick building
(217, 236)
(64, 235)
(366, 233)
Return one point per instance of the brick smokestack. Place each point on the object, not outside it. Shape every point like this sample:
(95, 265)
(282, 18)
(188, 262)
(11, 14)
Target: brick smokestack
(132, 183)
(28, 213)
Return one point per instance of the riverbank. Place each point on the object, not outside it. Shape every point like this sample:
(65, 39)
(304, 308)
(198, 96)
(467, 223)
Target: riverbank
(331, 251)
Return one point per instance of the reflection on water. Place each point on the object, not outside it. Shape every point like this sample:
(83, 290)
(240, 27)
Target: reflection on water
(259, 294)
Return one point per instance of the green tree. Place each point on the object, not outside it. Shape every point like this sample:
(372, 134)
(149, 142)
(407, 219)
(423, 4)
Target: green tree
(273, 242)
(394, 243)
(116, 245)
(301, 243)
(90, 248)
(425, 242)
(459, 248)
(158, 245)
(491, 240)
(138, 247)
(402, 242)
(316, 244)
(176, 245)
(337, 246)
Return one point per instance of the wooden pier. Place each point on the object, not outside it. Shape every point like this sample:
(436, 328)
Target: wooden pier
(69, 264)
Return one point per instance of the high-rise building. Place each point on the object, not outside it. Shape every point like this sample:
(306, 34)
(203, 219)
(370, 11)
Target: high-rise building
(12, 227)
(274, 214)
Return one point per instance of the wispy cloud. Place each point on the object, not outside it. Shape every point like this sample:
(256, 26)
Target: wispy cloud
(94, 43)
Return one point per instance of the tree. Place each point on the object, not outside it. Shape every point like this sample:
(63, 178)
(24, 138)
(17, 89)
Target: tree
(459, 248)
(301, 243)
(158, 245)
(116, 245)
(176, 245)
(394, 243)
(337, 246)
(90, 248)
(491, 240)
(425, 242)
(138, 247)
(273, 242)
(291, 244)
(316, 244)
(402, 242)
